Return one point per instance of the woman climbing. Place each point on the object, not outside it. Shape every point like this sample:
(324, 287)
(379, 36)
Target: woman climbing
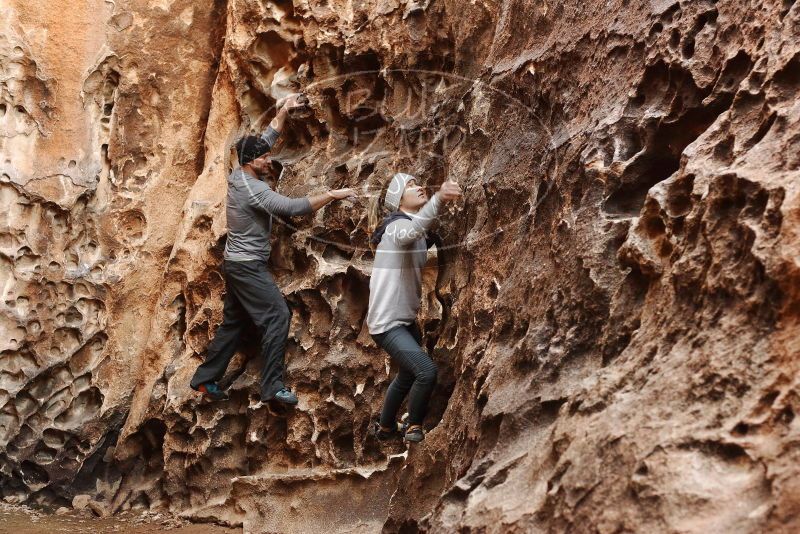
(395, 290)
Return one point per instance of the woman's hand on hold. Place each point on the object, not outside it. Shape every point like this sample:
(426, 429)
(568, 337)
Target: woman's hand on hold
(449, 191)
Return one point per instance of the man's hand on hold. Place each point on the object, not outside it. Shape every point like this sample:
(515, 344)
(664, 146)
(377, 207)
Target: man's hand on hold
(341, 194)
(289, 101)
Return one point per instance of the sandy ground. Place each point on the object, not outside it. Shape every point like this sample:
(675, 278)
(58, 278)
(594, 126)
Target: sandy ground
(21, 520)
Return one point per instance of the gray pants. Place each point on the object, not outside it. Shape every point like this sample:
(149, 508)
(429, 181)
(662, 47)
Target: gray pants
(250, 293)
(417, 376)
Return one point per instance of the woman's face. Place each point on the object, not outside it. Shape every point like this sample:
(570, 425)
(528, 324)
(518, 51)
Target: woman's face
(414, 196)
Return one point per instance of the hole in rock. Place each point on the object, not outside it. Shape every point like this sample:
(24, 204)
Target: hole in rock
(8, 424)
(673, 13)
(707, 18)
(787, 6)
(44, 454)
(667, 137)
(551, 407)
(151, 438)
(25, 404)
(723, 151)
(332, 253)
(89, 356)
(272, 49)
(178, 308)
(786, 415)
(344, 448)
(687, 50)
(492, 290)
(25, 437)
(679, 196)
(787, 79)
(741, 429)
(83, 408)
(735, 71)
(729, 451)
(11, 381)
(17, 361)
(656, 29)
(651, 169)
(762, 131)
(54, 438)
(674, 38)
(57, 403)
(32, 474)
(73, 317)
(82, 382)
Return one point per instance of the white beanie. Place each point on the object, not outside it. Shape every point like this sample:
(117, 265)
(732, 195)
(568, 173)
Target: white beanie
(396, 189)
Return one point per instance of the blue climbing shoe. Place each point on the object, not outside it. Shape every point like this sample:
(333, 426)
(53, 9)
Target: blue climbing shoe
(414, 434)
(285, 396)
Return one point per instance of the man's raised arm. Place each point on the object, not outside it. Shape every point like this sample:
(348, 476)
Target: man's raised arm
(283, 106)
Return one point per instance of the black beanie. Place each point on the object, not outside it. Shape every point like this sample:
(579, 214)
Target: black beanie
(251, 147)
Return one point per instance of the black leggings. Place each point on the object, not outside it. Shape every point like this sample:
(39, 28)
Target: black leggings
(417, 374)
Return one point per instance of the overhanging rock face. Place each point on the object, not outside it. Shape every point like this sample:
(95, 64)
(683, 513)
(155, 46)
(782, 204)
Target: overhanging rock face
(613, 313)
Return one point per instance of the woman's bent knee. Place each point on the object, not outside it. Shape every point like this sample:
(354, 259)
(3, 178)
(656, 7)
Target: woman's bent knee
(427, 375)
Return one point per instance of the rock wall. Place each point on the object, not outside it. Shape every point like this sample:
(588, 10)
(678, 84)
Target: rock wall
(613, 313)
(102, 117)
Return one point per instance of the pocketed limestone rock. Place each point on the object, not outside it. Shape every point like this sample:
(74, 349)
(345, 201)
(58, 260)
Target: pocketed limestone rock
(613, 310)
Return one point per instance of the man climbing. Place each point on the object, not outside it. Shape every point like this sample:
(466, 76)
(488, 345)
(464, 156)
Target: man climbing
(249, 288)
(395, 290)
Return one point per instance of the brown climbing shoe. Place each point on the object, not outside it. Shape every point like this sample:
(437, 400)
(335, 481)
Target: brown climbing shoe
(383, 434)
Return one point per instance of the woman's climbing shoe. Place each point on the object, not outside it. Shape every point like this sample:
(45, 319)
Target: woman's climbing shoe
(414, 434)
(384, 434)
(212, 391)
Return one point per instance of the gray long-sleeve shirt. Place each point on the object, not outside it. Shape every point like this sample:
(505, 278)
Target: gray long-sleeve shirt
(250, 207)
(395, 287)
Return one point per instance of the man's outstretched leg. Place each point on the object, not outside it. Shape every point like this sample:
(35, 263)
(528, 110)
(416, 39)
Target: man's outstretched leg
(223, 346)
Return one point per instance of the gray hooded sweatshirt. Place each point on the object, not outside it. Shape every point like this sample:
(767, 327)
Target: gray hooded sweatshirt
(395, 287)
